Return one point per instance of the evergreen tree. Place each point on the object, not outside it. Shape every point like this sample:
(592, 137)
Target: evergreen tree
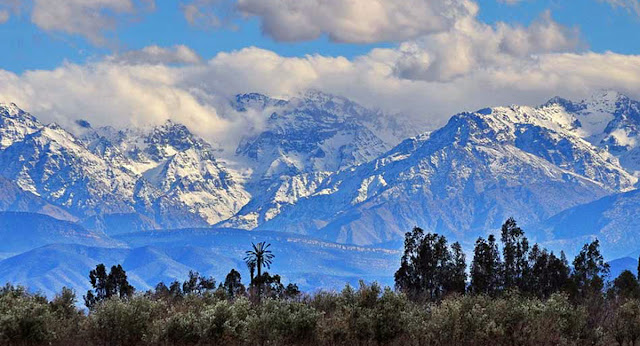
(589, 271)
(197, 284)
(427, 269)
(162, 291)
(107, 285)
(486, 267)
(175, 290)
(407, 277)
(626, 286)
(548, 274)
(515, 250)
(117, 282)
(233, 284)
(457, 278)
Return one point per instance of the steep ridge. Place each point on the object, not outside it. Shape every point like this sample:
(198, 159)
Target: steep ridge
(608, 120)
(53, 164)
(305, 140)
(176, 163)
(462, 180)
(13, 198)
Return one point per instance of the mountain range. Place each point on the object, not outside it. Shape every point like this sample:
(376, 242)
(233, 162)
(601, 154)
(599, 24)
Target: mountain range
(326, 179)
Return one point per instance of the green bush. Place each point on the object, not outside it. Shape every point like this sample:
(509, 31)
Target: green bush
(123, 322)
(24, 318)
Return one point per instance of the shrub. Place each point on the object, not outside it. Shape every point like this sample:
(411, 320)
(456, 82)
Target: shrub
(123, 322)
(24, 318)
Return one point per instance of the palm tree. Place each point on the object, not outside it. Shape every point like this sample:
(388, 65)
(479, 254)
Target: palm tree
(259, 256)
(251, 264)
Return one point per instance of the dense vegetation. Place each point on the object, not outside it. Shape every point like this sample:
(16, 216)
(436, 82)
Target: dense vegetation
(515, 294)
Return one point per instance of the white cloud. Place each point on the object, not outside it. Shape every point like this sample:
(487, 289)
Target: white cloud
(93, 19)
(207, 14)
(121, 94)
(155, 55)
(472, 45)
(359, 21)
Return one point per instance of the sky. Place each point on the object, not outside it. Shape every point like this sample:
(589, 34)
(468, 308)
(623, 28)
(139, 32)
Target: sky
(133, 62)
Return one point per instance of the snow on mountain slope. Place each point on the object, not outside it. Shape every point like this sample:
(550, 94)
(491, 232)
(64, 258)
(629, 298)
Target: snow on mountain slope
(608, 120)
(13, 198)
(182, 166)
(278, 194)
(464, 178)
(56, 166)
(327, 166)
(314, 133)
(15, 124)
(306, 139)
(53, 164)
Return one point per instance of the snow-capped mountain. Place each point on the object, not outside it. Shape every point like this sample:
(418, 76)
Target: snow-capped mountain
(15, 124)
(608, 120)
(315, 132)
(53, 164)
(463, 179)
(321, 166)
(305, 140)
(15, 199)
(180, 165)
(326, 166)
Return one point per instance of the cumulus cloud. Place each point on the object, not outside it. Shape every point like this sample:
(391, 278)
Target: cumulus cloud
(121, 94)
(355, 21)
(154, 55)
(93, 19)
(472, 45)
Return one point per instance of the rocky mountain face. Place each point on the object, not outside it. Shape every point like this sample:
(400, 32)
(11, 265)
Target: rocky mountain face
(305, 140)
(608, 120)
(173, 164)
(325, 166)
(462, 180)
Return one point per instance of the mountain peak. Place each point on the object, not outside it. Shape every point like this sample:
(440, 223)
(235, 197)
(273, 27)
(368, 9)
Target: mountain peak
(11, 110)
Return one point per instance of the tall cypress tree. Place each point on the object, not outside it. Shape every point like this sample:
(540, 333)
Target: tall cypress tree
(427, 269)
(548, 273)
(515, 251)
(486, 267)
(457, 278)
(589, 271)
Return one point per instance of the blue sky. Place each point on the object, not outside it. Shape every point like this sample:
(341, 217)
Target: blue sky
(132, 62)
(602, 27)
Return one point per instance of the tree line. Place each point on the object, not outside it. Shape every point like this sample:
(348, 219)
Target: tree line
(431, 269)
(115, 284)
(512, 293)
